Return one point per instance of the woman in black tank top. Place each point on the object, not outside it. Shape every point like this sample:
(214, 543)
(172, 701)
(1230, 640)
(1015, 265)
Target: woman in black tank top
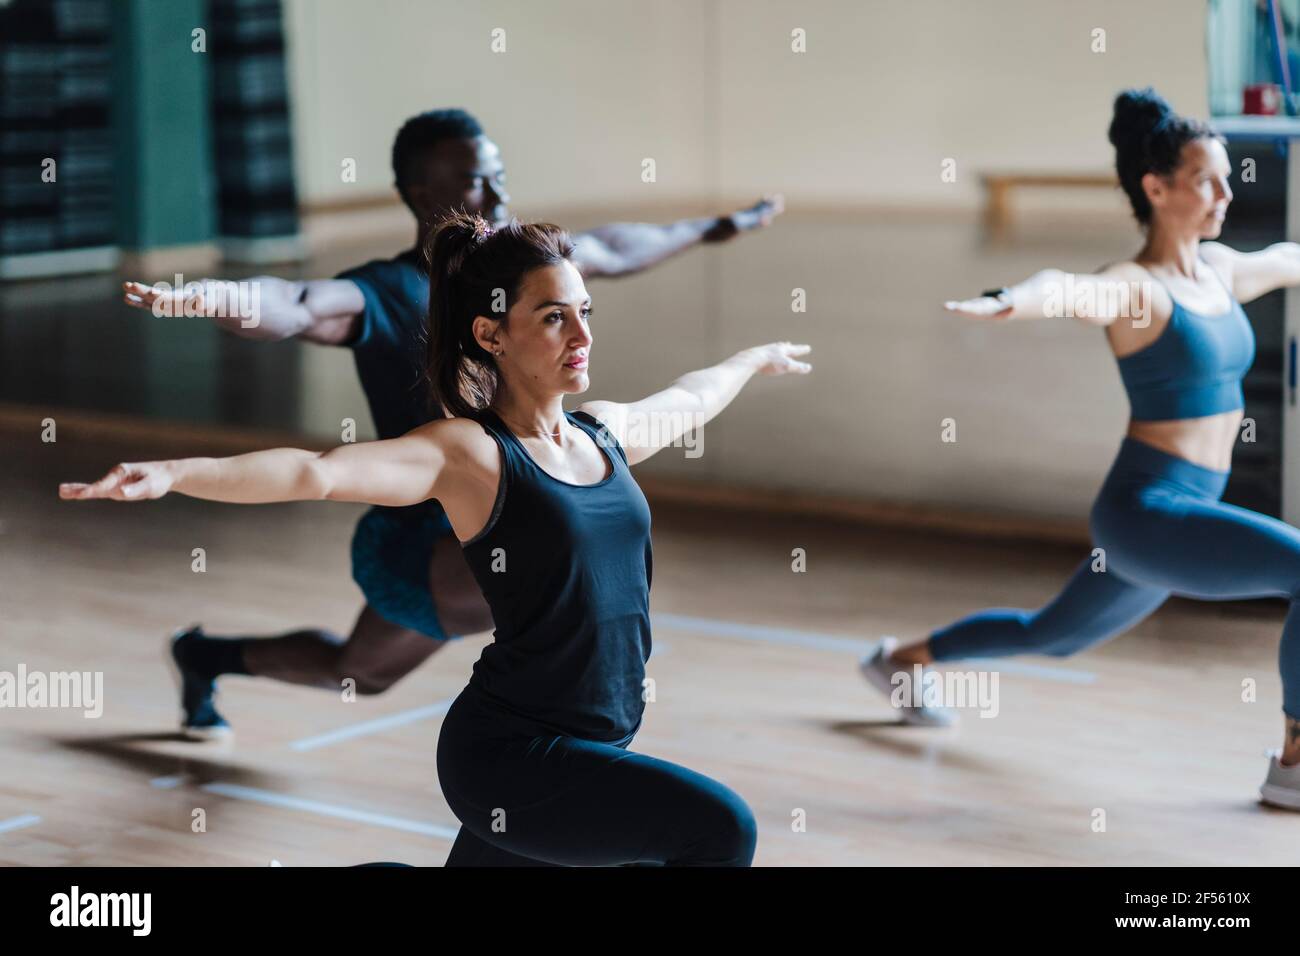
(533, 755)
(570, 595)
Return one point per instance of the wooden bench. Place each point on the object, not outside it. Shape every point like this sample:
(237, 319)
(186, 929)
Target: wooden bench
(998, 187)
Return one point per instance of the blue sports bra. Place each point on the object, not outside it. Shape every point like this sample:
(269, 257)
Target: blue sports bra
(1194, 367)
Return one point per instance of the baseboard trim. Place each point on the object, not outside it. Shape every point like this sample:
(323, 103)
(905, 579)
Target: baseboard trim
(59, 262)
(868, 512)
(263, 250)
(202, 438)
(105, 427)
(198, 259)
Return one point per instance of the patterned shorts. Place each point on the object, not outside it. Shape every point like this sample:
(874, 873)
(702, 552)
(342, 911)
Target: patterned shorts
(391, 553)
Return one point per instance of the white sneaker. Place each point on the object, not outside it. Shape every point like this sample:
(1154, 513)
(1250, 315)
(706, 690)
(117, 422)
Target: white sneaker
(879, 673)
(1281, 788)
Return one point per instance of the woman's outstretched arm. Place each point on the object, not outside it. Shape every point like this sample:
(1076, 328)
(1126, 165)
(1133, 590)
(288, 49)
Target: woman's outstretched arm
(396, 472)
(1253, 274)
(659, 420)
(1120, 291)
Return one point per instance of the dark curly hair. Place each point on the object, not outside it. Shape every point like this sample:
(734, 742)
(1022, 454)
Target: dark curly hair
(421, 133)
(1149, 137)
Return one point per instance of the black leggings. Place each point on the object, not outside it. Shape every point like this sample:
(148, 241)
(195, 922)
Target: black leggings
(526, 799)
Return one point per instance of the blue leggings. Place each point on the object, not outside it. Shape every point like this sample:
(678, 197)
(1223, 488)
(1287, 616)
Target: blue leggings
(541, 799)
(1163, 530)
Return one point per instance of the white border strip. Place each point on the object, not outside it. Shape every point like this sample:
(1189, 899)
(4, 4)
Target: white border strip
(378, 725)
(268, 798)
(17, 823)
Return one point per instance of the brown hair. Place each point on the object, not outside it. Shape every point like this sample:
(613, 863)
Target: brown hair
(473, 268)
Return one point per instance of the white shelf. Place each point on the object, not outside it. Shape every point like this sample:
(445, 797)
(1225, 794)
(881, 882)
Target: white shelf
(1257, 125)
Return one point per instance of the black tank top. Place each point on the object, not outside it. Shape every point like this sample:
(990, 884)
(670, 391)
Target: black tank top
(566, 570)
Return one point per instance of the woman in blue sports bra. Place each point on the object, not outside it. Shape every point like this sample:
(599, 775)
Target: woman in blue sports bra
(1183, 344)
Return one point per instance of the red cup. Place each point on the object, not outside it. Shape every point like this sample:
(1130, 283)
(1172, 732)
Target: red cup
(1261, 99)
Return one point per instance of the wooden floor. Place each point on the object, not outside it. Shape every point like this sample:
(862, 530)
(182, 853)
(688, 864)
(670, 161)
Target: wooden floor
(756, 685)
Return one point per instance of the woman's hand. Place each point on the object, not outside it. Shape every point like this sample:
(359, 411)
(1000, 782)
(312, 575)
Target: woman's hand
(126, 482)
(778, 358)
(984, 307)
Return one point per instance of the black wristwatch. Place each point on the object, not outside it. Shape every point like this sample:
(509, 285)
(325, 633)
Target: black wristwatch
(1003, 295)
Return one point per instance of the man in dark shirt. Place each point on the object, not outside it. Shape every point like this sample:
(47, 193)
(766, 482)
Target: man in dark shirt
(419, 590)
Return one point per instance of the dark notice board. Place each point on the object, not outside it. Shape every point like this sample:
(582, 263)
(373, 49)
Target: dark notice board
(1257, 218)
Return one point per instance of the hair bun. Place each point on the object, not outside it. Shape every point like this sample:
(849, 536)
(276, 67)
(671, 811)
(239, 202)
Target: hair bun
(1149, 137)
(1137, 113)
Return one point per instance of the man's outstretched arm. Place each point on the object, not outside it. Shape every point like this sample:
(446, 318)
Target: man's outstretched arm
(326, 311)
(622, 248)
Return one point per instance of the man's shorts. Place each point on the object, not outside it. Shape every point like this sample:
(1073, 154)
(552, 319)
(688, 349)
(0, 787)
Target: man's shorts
(391, 553)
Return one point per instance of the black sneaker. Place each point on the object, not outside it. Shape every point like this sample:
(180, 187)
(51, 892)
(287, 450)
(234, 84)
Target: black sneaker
(201, 720)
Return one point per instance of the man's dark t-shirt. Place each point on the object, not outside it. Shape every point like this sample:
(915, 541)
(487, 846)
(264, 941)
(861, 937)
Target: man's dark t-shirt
(389, 350)
(390, 347)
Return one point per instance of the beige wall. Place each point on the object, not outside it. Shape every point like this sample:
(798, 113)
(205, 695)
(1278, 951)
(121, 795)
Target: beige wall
(584, 91)
(890, 88)
(711, 90)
